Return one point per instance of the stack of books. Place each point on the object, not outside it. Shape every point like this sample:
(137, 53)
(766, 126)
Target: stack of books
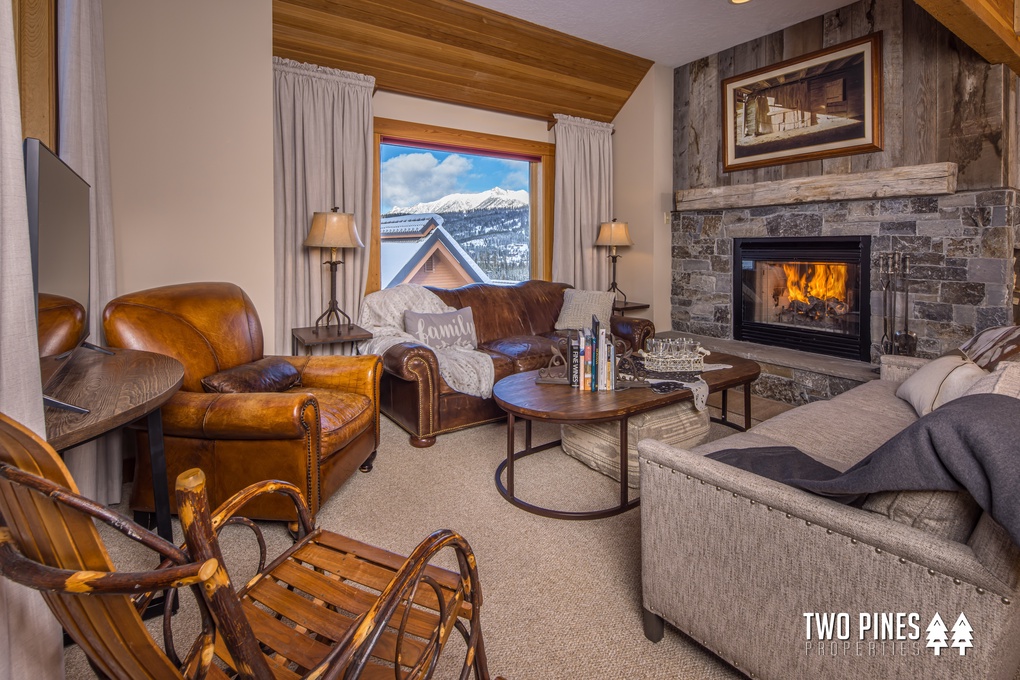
(592, 360)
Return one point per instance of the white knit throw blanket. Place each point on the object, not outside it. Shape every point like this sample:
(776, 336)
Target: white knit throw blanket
(382, 313)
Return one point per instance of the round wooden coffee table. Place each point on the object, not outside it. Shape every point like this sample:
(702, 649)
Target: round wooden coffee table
(521, 397)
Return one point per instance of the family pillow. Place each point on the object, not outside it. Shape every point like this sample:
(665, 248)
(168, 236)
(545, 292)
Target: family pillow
(439, 331)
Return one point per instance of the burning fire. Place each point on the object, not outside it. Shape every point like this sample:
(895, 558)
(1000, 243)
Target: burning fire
(815, 280)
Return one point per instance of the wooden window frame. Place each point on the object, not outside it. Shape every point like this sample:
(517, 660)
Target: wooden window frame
(542, 156)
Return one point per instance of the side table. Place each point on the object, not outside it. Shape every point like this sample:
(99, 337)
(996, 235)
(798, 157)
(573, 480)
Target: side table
(624, 307)
(326, 335)
(118, 386)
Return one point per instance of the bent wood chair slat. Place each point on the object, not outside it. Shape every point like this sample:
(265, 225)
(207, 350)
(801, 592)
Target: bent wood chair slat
(328, 607)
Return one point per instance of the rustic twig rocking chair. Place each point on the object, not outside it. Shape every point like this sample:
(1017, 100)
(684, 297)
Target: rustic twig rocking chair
(329, 607)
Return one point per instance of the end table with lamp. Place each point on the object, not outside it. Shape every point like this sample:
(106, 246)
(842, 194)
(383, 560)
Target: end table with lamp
(333, 230)
(613, 234)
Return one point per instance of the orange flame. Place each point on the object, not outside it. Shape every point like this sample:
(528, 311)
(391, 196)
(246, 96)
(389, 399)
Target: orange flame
(817, 280)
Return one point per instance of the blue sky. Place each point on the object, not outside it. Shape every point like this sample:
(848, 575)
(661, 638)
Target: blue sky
(411, 176)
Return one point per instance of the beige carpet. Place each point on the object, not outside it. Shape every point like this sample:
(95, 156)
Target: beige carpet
(562, 599)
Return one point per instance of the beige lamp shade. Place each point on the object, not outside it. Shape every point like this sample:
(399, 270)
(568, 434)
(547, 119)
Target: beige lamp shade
(614, 234)
(333, 230)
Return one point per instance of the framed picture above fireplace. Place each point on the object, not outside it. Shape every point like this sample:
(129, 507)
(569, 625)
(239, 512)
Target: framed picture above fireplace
(827, 103)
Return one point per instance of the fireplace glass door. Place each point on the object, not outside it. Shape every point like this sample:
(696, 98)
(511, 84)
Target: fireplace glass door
(803, 293)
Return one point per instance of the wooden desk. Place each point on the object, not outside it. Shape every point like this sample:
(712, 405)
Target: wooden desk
(117, 388)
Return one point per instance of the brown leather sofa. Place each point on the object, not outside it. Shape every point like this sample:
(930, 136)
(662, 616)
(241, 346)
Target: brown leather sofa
(314, 435)
(515, 325)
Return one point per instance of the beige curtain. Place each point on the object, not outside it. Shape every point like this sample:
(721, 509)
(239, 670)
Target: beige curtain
(84, 146)
(323, 157)
(30, 644)
(584, 200)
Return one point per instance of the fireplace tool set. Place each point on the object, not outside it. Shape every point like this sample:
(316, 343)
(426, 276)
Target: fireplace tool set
(894, 272)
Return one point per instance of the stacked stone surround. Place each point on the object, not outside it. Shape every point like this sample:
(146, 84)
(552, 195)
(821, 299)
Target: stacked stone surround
(961, 249)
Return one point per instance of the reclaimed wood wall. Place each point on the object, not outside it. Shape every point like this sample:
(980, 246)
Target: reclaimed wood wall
(942, 101)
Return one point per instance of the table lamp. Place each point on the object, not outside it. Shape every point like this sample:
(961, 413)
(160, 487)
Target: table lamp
(333, 230)
(614, 234)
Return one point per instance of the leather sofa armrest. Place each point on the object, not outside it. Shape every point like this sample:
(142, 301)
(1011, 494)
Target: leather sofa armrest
(355, 374)
(632, 330)
(250, 416)
(411, 361)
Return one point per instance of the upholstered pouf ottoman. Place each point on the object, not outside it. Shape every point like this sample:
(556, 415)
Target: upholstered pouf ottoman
(598, 445)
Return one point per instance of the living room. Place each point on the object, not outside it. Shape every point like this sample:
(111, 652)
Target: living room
(191, 146)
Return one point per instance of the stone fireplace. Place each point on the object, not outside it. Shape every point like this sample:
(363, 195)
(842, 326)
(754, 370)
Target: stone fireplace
(804, 293)
(942, 190)
(961, 248)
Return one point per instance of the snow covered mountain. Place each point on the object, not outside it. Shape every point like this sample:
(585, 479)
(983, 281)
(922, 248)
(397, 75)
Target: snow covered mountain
(493, 199)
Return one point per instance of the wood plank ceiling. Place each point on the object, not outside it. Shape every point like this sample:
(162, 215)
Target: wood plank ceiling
(457, 52)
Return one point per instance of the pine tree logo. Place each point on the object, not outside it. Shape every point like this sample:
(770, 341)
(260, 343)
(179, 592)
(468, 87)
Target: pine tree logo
(963, 635)
(937, 634)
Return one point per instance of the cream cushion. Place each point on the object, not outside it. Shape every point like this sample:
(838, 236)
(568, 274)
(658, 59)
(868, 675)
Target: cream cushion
(1005, 379)
(598, 445)
(938, 382)
(580, 305)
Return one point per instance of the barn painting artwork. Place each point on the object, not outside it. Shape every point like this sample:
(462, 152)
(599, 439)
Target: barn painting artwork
(823, 104)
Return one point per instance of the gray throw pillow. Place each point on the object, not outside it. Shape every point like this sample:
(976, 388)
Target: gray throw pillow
(271, 374)
(438, 331)
(580, 305)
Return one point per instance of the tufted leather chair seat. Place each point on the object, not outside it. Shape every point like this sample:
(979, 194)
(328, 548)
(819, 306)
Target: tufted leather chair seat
(515, 325)
(314, 435)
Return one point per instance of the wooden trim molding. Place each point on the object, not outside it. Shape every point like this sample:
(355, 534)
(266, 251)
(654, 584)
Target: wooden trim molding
(541, 154)
(918, 180)
(36, 50)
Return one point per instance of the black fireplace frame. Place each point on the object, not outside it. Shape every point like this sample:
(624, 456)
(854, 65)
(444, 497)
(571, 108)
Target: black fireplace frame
(852, 249)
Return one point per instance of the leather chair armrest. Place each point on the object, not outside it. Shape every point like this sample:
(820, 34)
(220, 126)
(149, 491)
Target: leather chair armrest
(632, 330)
(262, 415)
(355, 374)
(411, 361)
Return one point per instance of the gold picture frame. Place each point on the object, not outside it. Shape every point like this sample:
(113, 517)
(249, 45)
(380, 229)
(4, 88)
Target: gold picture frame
(823, 104)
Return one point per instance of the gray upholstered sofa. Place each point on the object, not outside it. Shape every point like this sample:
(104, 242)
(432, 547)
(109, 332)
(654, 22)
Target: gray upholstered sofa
(737, 562)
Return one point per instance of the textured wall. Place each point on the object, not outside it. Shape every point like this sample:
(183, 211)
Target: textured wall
(942, 102)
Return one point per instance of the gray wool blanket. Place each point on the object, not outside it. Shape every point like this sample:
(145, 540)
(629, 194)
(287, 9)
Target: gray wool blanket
(970, 443)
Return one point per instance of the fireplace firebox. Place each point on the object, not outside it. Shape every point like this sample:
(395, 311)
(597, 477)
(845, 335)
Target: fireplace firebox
(804, 293)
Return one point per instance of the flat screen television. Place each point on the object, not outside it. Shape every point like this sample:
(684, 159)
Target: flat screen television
(59, 232)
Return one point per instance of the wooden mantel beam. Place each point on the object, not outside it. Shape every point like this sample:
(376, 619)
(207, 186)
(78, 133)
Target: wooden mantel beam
(988, 26)
(933, 179)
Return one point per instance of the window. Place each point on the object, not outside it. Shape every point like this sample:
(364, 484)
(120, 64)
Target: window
(455, 207)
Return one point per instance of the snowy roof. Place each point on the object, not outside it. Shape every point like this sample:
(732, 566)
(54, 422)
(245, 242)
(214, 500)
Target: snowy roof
(399, 257)
(410, 226)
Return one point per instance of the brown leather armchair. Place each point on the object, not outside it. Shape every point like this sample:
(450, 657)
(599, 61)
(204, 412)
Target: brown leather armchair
(314, 435)
(61, 324)
(515, 325)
